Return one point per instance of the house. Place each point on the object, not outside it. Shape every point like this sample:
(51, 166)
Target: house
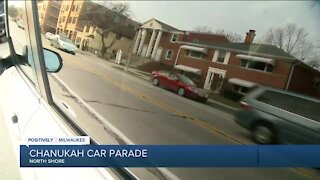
(116, 39)
(79, 19)
(155, 37)
(160, 42)
(48, 15)
(68, 19)
(72, 16)
(239, 66)
(84, 38)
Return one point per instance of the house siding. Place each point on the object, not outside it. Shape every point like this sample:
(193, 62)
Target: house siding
(166, 44)
(277, 78)
(301, 82)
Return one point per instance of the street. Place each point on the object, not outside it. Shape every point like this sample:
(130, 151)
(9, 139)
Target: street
(145, 114)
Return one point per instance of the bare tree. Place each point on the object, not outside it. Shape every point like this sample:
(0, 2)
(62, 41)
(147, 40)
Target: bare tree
(305, 49)
(314, 61)
(109, 16)
(204, 29)
(291, 38)
(233, 37)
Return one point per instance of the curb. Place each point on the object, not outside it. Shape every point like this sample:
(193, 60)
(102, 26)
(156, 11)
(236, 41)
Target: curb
(223, 105)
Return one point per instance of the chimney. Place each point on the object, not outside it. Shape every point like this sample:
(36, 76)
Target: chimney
(250, 36)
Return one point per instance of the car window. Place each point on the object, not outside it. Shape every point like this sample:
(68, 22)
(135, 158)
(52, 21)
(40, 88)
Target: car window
(307, 108)
(65, 40)
(173, 76)
(20, 38)
(277, 99)
(186, 80)
(105, 87)
(301, 106)
(165, 73)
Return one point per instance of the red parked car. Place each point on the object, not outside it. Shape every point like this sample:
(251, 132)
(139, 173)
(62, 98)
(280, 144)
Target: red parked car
(180, 84)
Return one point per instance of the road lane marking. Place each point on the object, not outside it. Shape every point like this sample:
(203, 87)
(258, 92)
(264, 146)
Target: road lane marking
(195, 121)
(144, 83)
(120, 137)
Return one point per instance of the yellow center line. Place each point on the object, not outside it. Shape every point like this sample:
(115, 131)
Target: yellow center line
(195, 121)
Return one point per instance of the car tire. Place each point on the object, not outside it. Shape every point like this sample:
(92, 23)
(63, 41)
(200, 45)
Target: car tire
(155, 81)
(263, 134)
(181, 92)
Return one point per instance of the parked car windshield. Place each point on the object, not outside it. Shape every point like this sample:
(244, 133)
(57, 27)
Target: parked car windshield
(187, 81)
(64, 39)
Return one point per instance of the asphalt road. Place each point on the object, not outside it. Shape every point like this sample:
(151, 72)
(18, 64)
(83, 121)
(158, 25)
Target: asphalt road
(151, 115)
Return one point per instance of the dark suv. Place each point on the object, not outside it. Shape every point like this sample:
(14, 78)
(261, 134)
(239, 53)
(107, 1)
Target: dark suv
(276, 116)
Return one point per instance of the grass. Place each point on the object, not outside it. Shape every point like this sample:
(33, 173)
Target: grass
(224, 100)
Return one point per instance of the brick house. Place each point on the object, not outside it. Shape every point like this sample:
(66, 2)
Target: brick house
(160, 42)
(239, 66)
(155, 37)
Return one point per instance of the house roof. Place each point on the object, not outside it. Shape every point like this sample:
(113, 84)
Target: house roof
(251, 49)
(165, 26)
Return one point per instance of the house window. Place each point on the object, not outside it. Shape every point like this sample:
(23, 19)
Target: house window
(63, 19)
(174, 37)
(221, 56)
(74, 19)
(73, 7)
(257, 65)
(169, 54)
(240, 89)
(78, 40)
(194, 54)
(195, 40)
(316, 82)
(69, 19)
(67, 8)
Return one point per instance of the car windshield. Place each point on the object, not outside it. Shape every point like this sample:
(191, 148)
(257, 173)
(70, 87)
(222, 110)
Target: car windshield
(64, 39)
(187, 81)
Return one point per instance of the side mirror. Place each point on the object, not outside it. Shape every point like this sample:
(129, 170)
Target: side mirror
(52, 60)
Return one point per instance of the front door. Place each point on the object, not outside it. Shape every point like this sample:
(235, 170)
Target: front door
(214, 79)
(216, 83)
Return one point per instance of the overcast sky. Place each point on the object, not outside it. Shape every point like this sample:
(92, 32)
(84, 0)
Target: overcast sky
(235, 16)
